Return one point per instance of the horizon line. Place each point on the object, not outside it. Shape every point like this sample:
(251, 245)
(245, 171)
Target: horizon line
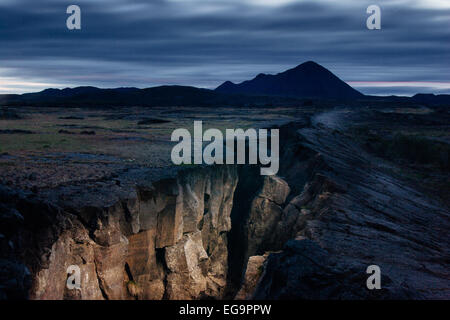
(41, 86)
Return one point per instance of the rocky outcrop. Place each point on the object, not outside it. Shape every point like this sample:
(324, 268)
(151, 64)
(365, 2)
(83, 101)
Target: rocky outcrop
(345, 213)
(350, 213)
(256, 215)
(265, 213)
(169, 242)
(253, 273)
(304, 270)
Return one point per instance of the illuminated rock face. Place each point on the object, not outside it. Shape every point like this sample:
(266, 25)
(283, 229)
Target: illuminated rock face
(170, 242)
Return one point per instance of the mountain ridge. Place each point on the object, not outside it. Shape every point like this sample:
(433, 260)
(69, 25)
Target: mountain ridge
(168, 95)
(307, 80)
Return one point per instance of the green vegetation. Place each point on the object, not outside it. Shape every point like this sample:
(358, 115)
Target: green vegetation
(421, 158)
(36, 142)
(421, 150)
(7, 164)
(412, 148)
(415, 149)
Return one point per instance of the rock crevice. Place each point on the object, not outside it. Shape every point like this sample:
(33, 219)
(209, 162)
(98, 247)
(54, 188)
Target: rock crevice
(227, 232)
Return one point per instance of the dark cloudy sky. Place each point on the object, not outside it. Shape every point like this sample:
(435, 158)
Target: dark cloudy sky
(202, 43)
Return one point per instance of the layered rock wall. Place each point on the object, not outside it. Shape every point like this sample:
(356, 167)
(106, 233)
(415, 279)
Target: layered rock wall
(169, 242)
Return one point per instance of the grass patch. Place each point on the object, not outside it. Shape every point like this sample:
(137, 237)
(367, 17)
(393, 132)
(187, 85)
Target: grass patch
(412, 148)
(6, 164)
(37, 142)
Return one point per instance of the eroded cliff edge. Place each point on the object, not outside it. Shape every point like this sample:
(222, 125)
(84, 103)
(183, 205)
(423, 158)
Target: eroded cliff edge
(214, 232)
(168, 242)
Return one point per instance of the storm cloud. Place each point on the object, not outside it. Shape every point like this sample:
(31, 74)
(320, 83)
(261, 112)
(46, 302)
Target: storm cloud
(205, 42)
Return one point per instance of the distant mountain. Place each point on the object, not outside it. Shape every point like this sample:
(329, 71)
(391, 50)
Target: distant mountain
(156, 96)
(119, 96)
(308, 83)
(419, 99)
(432, 99)
(308, 80)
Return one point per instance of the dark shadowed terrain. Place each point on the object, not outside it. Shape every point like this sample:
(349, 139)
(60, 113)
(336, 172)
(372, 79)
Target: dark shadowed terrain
(86, 179)
(355, 188)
